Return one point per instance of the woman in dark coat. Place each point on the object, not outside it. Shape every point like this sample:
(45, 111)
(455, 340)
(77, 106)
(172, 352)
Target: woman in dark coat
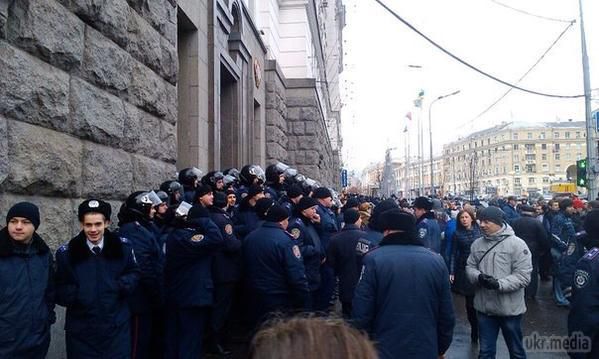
(467, 231)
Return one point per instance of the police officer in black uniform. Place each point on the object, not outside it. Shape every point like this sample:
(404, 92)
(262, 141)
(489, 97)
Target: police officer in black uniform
(291, 198)
(190, 179)
(188, 282)
(226, 273)
(274, 269)
(275, 179)
(214, 179)
(301, 226)
(96, 272)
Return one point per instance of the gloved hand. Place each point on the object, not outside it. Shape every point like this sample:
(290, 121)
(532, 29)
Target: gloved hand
(488, 281)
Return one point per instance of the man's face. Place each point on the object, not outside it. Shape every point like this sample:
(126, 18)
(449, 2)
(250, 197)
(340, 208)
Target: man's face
(555, 206)
(207, 200)
(231, 199)
(259, 196)
(20, 229)
(220, 184)
(284, 223)
(419, 212)
(570, 210)
(327, 202)
(94, 225)
(309, 212)
(162, 208)
(489, 227)
(281, 178)
(512, 202)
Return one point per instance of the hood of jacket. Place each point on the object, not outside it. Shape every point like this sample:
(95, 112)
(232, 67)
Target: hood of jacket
(505, 232)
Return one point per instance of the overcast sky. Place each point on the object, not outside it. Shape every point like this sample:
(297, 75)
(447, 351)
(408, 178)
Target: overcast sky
(379, 87)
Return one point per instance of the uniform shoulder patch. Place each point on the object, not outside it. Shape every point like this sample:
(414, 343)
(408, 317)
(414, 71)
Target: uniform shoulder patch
(571, 248)
(295, 233)
(591, 254)
(296, 252)
(197, 238)
(422, 233)
(63, 248)
(124, 240)
(229, 229)
(581, 278)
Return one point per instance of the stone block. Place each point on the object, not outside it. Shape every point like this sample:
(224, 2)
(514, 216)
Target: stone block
(106, 64)
(107, 172)
(149, 173)
(310, 114)
(298, 128)
(292, 143)
(274, 152)
(107, 16)
(3, 150)
(42, 161)
(31, 90)
(171, 103)
(311, 127)
(300, 157)
(302, 102)
(3, 17)
(47, 30)
(142, 133)
(312, 157)
(148, 91)
(169, 61)
(96, 115)
(168, 139)
(56, 216)
(274, 134)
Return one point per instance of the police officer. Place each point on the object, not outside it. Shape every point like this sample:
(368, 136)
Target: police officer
(374, 232)
(274, 269)
(27, 282)
(96, 272)
(426, 224)
(226, 273)
(188, 282)
(275, 179)
(583, 316)
(146, 302)
(403, 297)
(563, 236)
(245, 216)
(174, 190)
(306, 237)
(190, 179)
(345, 256)
(204, 195)
(291, 198)
(326, 228)
(250, 175)
(214, 179)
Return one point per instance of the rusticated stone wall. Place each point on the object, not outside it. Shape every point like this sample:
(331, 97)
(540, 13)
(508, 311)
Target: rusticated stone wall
(88, 103)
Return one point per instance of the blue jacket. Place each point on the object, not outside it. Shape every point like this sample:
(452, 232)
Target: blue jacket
(149, 294)
(245, 219)
(95, 289)
(510, 213)
(346, 250)
(429, 231)
(273, 263)
(26, 298)
(569, 259)
(373, 236)
(226, 264)
(562, 227)
(327, 226)
(462, 241)
(306, 238)
(403, 299)
(188, 269)
(584, 316)
(447, 245)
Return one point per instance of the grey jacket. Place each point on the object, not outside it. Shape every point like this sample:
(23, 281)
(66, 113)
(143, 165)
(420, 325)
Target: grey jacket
(510, 262)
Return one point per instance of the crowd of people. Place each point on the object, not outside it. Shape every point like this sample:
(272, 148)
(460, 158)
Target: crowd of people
(208, 256)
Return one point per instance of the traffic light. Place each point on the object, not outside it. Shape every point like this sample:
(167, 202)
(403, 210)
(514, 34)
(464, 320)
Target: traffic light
(581, 173)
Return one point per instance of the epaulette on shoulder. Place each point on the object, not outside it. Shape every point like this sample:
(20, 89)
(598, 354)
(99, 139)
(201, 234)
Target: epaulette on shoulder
(592, 254)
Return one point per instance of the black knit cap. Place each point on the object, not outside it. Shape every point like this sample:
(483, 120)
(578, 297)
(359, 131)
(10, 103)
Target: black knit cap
(254, 190)
(491, 214)
(306, 202)
(397, 220)
(94, 206)
(262, 206)
(220, 199)
(276, 213)
(322, 192)
(203, 190)
(380, 209)
(351, 216)
(423, 203)
(25, 210)
(294, 191)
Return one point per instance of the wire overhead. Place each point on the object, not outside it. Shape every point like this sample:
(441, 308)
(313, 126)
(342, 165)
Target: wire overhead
(486, 74)
(529, 13)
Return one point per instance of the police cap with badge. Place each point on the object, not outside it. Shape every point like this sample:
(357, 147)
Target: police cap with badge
(94, 206)
(423, 203)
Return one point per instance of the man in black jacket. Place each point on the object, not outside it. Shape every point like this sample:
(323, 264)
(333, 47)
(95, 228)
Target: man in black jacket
(531, 230)
(26, 284)
(345, 256)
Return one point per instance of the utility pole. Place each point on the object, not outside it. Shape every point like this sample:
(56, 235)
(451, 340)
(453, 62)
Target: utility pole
(593, 167)
(418, 104)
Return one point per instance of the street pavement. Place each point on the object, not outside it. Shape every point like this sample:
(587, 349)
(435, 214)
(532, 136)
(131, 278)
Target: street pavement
(542, 316)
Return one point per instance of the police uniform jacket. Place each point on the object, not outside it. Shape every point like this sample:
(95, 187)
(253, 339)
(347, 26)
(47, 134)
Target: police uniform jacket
(403, 299)
(226, 263)
(429, 232)
(245, 219)
(563, 228)
(345, 256)
(306, 238)
(510, 213)
(373, 236)
(584, 316)
(95, 289)
(273, 264)
(327, 226)
(188, 269)
(26, 298)
(569, 259)
(149, 293)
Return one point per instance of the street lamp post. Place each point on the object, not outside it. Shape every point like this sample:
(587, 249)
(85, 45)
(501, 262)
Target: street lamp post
(430, 135)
